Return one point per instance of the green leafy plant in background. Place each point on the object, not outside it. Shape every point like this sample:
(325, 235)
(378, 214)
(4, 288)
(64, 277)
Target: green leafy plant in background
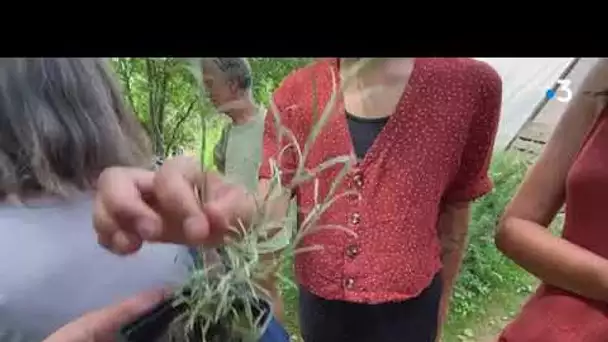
(166, 98)
(269, 72)
(163, 94)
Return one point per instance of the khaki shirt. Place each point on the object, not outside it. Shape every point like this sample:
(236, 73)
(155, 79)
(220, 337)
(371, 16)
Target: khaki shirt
(239, 151)
(238, 156)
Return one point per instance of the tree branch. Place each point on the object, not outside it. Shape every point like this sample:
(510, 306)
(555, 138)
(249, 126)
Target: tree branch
(153, 108)
(126, 78)
(163, 92)
(179, 123)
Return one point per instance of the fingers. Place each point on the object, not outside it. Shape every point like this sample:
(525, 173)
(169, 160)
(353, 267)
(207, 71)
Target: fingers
(121, 213)
(107, 321)
(111, 236)
(102, 325)
(226, 204)
(133, 205)
(176, 185)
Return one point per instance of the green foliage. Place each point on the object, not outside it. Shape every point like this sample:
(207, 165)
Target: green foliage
(165, 97)
(269, 72)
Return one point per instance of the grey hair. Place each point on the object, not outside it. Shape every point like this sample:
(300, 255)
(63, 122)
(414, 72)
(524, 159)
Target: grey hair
(236, 70)
(62, 121)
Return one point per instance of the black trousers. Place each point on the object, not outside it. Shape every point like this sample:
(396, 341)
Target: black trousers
(413, 320)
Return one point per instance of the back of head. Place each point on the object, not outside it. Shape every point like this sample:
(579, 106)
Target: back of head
(62, 121)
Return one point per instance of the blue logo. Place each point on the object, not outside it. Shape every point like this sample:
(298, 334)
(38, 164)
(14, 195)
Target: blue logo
(562, 93)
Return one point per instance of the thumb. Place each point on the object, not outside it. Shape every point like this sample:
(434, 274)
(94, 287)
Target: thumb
(102, 324)
(110, 319)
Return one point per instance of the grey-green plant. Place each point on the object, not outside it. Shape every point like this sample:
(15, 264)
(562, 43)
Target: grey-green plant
(227, 292)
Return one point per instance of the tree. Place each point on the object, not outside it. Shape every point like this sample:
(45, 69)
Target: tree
(269, 72)
(166, 97)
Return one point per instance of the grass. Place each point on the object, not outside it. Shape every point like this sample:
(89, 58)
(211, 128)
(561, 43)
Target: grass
(225, 293)
(490, 288)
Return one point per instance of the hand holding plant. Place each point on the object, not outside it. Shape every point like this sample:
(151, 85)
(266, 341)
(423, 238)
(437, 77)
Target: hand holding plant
(134, 206)
(181, 203)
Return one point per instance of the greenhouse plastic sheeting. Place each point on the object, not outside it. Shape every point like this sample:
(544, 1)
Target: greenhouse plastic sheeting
(525, 82)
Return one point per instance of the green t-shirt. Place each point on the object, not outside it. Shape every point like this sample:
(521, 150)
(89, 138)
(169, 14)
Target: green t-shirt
(239, 151)
(238, 156)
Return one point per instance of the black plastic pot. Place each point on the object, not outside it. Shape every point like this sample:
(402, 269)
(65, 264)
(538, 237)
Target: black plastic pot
(154, 325)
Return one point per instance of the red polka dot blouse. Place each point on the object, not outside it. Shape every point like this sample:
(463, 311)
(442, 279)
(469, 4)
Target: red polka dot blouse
(436, 147)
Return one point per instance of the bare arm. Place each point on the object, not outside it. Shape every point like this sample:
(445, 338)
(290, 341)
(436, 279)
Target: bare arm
(522, 233)
(470, 182)
(453, 228)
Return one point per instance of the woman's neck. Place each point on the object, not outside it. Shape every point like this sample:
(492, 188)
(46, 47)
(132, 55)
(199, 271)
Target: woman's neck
(377, 87)
(242, 112)
(377, 70)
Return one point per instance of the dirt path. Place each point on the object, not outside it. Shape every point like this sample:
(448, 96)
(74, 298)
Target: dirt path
(489, 331)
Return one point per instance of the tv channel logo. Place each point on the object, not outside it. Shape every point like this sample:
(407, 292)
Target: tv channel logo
(561, 92)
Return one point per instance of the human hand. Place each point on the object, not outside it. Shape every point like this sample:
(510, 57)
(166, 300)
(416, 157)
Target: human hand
(278, 308)
(135, 205)
(103, 325)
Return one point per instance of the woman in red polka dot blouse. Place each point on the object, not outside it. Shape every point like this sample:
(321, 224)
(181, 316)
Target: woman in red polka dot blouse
(422, 133)
(571, 305)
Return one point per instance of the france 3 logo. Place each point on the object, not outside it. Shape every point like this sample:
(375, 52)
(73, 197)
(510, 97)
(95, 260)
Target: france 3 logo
(561, 92)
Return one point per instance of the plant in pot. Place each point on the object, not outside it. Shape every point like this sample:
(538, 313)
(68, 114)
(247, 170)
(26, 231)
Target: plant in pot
(223, 299)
